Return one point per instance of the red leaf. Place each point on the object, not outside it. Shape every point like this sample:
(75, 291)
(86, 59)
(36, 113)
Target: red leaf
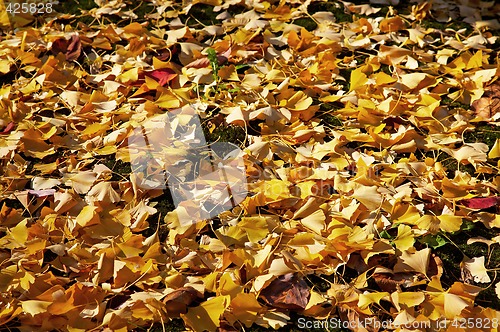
(8, 128)
(480, 202)
(72, 48)
(163, 75)
(287, 292)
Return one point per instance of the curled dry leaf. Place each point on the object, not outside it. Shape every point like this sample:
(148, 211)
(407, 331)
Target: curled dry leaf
(176, 302)
(488, 106)
(287, 292)
(72, 48)
(473, 270)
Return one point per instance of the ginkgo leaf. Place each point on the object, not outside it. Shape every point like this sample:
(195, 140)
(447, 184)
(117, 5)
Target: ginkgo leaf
(82, 181)
(405, 238)
(392, 24)
(416, 80)
(244, 308)
(104, 192)
(407, 299)
(448, 223)
(480, 202)
(475, 268)
(368, 298)
(206, 316)
(287, 292)
(255, 227)
(448, 305)
(358, 79)
(19, 233)
(495, 150)
(413, 261)
(88, 216)
(470, 152)
(368, 196)
(34, 307)
(369, 142)
(315, 221)
(168, 100)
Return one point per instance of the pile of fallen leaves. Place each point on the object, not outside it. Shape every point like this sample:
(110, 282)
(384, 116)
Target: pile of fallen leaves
(353, 146)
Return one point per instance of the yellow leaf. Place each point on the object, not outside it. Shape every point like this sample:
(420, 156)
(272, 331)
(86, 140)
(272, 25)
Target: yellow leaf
(452, 190)
(7, 275)
(168, 100)
(4, 22)
(26, 280)
(88, 216)
(405, 238)
(495, 150)
(273, 319)
(413, 261)
(315, 221)
(20, 232)
(417, 80)
(405, 213)
(469, 153)
(275, 189)
(107, 150)
(476, 61)
(407, 300)
(131, 75)
(34, 307)
(299, 101)
(94, 128)
(368, 298)
(448, 306)
(368, 196)
(358, 79)
(255, 227)
(382, 78)
(206, 317)
(82, 181)
(228, 286)
(392, 24)
(307, 188)
(245, 308)
(279, 267)
(449, 223)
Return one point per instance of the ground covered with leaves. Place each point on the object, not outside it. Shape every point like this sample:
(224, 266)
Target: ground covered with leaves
(370, 139)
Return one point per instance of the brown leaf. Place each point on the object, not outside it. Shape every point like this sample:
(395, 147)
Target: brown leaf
(287, 292)
(178, 301)
(489, 104)
(72, 48)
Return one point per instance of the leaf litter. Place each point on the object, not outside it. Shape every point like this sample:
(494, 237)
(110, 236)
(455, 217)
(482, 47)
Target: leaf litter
(351, 201)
